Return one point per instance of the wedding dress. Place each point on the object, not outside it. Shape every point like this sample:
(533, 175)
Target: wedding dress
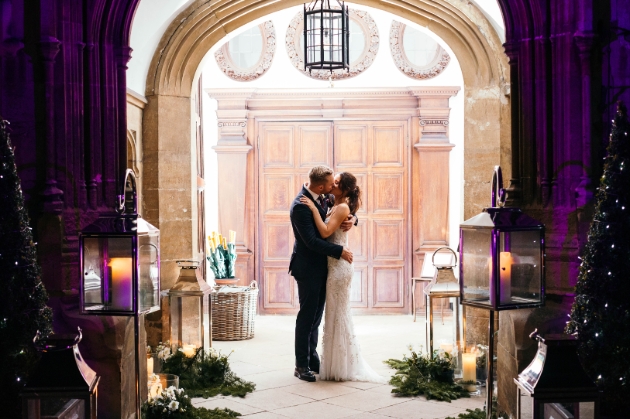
(341, 358)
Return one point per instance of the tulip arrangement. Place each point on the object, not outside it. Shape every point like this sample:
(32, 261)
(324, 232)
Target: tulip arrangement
(222, 255)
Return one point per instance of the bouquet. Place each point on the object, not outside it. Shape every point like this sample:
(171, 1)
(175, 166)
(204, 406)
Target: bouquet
(222, 255)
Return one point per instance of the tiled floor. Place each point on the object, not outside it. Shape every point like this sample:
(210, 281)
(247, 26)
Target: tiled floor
(267, 360)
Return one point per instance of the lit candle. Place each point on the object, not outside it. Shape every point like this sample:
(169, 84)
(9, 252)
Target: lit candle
(121, 282)
(470, 367)
(232, 236)
(189, 350)
(505, 272)
(155, 389)
(149, 366)
(447, 347)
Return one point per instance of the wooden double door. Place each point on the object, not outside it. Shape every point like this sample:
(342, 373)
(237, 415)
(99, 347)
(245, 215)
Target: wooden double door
(377, 153)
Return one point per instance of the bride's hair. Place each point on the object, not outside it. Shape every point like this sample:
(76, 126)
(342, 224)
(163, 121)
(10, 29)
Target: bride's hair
(348, 186)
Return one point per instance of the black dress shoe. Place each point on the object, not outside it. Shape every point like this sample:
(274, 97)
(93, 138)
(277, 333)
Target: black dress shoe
(304, 373)
(315, 370)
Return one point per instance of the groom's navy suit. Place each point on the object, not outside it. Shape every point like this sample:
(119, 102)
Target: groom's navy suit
(309, 267)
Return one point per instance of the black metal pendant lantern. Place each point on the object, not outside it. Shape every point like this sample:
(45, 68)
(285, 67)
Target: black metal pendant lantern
(326, 36)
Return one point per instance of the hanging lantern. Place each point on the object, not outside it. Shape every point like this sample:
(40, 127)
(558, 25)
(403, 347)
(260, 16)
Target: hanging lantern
(120, 263)
(62, 384)
(502, 256)
(554, 385)
(190, 313)
(326, 36)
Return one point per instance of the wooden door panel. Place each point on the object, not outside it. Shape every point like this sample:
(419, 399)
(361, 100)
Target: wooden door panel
(314, 144)
(358, 241)
(279, 289)
(278, 193)
(387, 240)
(388, 193)
(351, 145)
(277, 147)
(388, 286)
(359, 289)
(388, 148)
(362, 183)
(279, 241)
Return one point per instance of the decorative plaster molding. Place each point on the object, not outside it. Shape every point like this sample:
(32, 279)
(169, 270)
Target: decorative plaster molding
(222, 124)
(234, 72)
(370, 31)
(435, 67)
(424, 122)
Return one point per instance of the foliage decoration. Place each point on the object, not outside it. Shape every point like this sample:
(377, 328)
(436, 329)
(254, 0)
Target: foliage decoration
(206, 374)
(600, 316)
(23, 309)
(172, 403)
(479, 414)
(431, 376)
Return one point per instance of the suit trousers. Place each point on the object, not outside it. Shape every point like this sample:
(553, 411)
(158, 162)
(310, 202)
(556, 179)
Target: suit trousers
(312, 296)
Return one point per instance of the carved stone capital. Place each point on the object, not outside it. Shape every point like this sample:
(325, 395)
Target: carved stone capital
(512, 49)
(123, 55)
(585, 42)
(232, 131)
(48, 48)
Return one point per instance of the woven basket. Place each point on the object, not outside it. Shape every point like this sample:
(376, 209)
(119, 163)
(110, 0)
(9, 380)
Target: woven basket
(233, 314)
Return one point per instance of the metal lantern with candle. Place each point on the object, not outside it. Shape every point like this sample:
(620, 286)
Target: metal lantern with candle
(62, 385)
(119, 257)
(444, 288)
(190, 313)
(502, 261)
(554, 385)
(326, 35)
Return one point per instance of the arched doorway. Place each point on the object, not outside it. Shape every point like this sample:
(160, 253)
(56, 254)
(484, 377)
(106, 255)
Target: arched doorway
(168, 135)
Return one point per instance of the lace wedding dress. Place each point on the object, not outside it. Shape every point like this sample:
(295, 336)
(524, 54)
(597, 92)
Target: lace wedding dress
(341, 358)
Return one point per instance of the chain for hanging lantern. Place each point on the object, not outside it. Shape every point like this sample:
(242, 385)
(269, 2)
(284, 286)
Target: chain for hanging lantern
(326, 36)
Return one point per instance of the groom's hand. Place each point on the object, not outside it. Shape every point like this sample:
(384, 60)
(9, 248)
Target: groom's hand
(348, 223)
(346, 254)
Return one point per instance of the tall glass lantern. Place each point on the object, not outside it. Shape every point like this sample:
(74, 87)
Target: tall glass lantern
(62, 385)
(502, 258)
(190, 312)
(120, 265)
(326, 35)
(554, 385)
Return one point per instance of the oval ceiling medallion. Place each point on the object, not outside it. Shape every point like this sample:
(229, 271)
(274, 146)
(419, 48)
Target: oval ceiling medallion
(248, 56)
(416, 54)
(363, 32)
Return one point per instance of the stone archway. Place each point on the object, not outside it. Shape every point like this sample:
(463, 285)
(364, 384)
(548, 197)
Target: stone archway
(168, 138)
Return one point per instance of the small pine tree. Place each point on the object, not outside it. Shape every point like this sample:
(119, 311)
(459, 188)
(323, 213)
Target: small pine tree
(23, 309)
(600, 316)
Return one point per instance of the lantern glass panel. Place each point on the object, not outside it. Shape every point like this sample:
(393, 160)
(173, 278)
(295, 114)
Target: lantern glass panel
(149, 272)
(568, 410)
(108, 273)
(476, 263)
(520, 273)
(186, 321)
(55, 408)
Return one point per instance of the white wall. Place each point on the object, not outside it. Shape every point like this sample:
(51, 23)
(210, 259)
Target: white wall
(382, 73)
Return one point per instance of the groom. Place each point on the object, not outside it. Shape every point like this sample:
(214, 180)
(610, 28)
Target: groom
(309, 267)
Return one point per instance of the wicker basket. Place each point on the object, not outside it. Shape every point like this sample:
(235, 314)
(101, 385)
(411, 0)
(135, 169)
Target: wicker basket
(233, 314)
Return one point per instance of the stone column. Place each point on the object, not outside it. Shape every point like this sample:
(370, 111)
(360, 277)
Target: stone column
(232, 153)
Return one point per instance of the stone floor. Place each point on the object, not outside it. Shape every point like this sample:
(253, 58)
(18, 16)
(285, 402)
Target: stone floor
(268, 361)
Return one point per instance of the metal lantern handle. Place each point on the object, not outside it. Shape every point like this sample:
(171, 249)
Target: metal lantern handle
(498, 194)
(445, 247)
(129, 175)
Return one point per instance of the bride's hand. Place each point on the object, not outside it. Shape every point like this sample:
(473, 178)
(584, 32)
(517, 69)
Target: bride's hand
(308, 203)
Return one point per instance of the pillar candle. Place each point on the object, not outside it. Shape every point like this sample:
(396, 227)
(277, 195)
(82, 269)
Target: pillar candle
(505, 275)
(447, 347)
(189, 350)
(149, 366)
(469, 362)
(121, 283)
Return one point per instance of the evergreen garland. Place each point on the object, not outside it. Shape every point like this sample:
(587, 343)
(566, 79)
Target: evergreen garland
(23, 309)
(600, 316)
(425, 375)
(206, 374)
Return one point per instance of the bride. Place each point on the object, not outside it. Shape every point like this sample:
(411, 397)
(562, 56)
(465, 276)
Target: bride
(341, 357)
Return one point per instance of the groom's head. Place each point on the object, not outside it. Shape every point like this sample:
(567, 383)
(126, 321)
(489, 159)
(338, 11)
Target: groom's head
(321, 179)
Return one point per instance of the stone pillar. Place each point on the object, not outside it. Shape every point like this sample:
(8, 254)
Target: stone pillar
(232, 153)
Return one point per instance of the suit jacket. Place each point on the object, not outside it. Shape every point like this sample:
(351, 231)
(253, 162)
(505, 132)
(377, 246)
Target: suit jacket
(310, 249)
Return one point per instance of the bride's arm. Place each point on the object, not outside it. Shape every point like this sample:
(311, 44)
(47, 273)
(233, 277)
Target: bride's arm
(337, 216)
